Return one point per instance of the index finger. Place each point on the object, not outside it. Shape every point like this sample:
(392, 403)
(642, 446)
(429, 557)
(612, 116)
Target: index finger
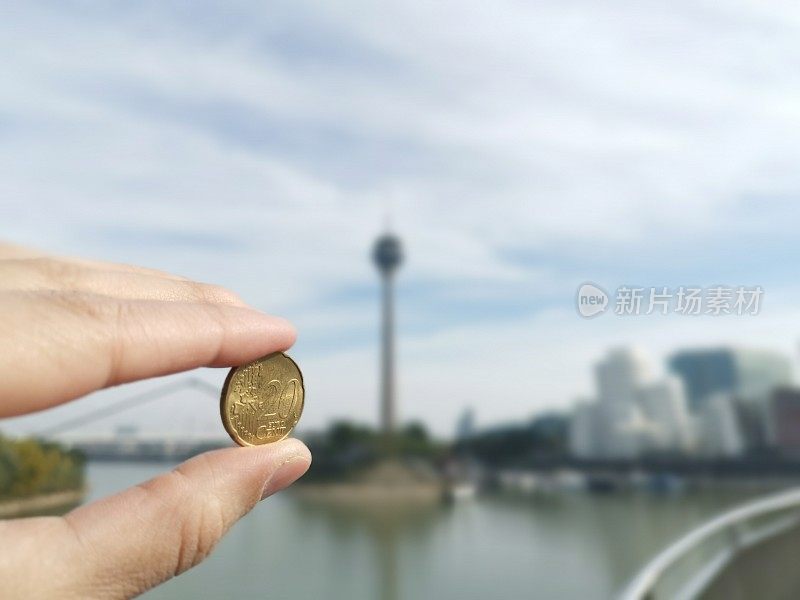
(57, 347)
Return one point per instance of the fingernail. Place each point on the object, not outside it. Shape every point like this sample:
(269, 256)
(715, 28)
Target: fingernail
(286, 474)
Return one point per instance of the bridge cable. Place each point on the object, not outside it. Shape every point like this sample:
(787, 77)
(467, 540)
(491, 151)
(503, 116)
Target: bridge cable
(128, 403)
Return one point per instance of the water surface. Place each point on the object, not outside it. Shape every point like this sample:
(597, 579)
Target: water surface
(569, 546)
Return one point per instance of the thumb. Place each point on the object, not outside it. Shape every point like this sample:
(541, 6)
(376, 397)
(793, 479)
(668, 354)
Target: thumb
(147, 534)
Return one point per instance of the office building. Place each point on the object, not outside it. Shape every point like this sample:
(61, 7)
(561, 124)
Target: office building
(785, 420)
(663, 403)
(720, 435)
(743, 373)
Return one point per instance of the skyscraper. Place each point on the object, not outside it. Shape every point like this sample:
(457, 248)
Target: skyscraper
(465, 427)
(387, 255)
(620, 375)
(743, 373)
(584, 439)
(664, 403)
(785, 420)
(634, 413)
(720, 434)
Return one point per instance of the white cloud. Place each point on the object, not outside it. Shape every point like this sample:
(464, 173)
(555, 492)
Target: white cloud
(260, 146)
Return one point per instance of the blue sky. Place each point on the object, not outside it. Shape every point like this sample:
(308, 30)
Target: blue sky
(520, 149)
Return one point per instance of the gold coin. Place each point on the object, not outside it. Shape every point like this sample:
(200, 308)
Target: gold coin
(262, 401)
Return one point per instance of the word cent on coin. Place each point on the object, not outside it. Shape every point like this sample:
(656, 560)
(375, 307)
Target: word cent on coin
(262, 401)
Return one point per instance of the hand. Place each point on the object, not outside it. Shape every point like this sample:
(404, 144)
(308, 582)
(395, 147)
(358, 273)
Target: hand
(69, 327)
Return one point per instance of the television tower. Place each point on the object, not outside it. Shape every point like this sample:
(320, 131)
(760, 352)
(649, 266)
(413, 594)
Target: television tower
(387, 255)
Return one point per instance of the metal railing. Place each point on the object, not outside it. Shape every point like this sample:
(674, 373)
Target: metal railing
(686, 568)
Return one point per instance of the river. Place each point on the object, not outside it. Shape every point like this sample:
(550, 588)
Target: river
(574, 545)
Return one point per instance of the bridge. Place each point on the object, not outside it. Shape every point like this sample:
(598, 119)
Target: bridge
(138, 448)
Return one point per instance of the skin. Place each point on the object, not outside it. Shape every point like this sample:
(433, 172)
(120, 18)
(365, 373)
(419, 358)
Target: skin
(94, 325)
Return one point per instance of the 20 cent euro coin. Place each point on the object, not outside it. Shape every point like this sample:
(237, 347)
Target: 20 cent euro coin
(262, 401)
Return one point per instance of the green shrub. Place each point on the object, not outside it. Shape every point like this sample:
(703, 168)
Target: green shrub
(29, 467)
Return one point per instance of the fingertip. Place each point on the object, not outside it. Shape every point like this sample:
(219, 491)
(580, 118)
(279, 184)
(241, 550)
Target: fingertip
(281, 332)
(251, 334)
(292, 459)
(289, 472)
(280, 452)
(288, 331)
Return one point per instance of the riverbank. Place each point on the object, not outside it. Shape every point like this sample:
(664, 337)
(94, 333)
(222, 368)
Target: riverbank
(43, 503)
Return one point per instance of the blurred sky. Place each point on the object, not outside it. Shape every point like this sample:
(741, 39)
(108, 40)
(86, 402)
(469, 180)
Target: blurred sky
(521, 148)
